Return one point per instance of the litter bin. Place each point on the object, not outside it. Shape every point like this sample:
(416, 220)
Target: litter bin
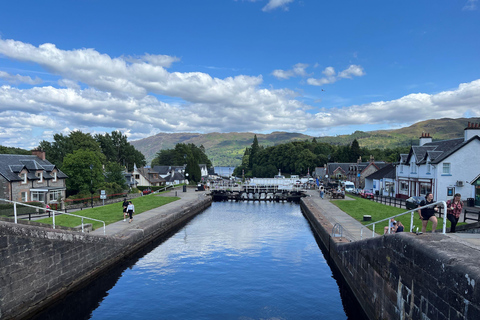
(470, 202)
(184, 188)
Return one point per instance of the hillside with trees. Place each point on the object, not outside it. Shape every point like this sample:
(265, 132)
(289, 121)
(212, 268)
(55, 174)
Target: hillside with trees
(301, 157)
(227, 149)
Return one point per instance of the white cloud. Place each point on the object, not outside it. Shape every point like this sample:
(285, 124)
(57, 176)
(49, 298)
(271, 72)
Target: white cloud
(274, 4)
(97, 92)
(16, 79)
(470, 5)
(331, 76)
(297, 70)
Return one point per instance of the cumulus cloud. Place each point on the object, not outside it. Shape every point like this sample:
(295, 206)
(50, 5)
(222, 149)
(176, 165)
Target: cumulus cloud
(16, 79)
(275, 4)
(331, 76)
(98, 92)
(297, 70)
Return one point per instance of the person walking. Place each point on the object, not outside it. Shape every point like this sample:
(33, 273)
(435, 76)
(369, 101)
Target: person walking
(125, 205)
(454, 209)
(428, 214)
(131, 210)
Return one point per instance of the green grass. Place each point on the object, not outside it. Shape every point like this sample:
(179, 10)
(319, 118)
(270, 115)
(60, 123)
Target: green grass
(109, 213)
(358, 207)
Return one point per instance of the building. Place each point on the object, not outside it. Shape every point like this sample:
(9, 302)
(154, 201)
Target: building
(147, 177)
(442, 167)
(354, 172)
(382, 182)
(27, 178)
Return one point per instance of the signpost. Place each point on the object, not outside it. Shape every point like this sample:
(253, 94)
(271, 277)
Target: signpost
(103, 196)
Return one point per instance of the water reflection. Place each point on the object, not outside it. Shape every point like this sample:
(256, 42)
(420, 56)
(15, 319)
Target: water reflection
(234, 261)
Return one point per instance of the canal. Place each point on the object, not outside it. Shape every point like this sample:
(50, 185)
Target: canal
(245, 260)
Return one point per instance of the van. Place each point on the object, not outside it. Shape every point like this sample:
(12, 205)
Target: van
(349, 186)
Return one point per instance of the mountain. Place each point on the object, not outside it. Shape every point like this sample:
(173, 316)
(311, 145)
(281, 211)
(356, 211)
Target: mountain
(226, 149)
(223, 149)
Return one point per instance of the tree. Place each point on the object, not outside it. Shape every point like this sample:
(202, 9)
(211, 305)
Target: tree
(114, 174)
(116, 148)
(355, 152)
(84, 170)
(56, 151)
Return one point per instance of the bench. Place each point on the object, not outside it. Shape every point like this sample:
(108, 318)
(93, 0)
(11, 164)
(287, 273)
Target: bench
(471, 212)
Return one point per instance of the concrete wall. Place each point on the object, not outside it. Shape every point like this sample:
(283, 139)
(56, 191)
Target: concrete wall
(39, 265)
(405, 276)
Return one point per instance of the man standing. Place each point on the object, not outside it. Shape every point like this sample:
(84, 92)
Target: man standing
(125, 205)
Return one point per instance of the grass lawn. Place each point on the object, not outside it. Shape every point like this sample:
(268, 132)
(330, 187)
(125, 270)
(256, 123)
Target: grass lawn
(109, 213)
(358, 207)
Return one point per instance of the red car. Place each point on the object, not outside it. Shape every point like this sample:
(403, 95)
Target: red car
(367, 194)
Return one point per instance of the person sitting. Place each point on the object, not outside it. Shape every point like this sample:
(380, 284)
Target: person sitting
(391, 226)
(399, 227)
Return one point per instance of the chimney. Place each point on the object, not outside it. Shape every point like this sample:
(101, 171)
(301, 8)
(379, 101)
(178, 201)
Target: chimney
(39, 153)
(372, 158)
(425, 138)
(472, 130)
(359, 159)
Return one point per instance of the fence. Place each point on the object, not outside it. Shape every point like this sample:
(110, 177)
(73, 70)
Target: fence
(400, 203)
(54, 213)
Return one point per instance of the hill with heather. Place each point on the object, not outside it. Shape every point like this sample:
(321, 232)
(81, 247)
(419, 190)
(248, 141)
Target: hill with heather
(226, 149)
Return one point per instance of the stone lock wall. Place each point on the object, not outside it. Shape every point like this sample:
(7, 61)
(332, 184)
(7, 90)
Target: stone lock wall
(405, 276)
(39, 265)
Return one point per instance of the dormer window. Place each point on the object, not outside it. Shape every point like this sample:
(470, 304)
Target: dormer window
(40, 177)
(24, 178)
(429, 167)
(55, 176)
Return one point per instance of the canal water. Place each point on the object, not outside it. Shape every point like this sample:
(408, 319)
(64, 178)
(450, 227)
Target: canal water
(236, 260)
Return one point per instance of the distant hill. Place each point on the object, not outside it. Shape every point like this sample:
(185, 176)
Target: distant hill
(223, 149)
(226, 149)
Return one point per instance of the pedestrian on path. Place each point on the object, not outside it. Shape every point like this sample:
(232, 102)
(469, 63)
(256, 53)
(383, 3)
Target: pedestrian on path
(322, 192)
(428, 214)
(125, 205)
(454, 209)
(131, 210)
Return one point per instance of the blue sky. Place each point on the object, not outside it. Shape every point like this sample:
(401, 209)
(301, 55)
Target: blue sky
(316, 67)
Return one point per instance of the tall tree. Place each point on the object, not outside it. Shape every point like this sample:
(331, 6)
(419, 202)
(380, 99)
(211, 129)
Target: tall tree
(84, 170)
(355, 151)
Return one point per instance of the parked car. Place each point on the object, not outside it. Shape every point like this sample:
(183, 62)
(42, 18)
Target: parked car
(413, 202)
(367, 194)
(147, 191)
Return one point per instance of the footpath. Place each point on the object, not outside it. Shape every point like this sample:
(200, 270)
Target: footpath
(352, 228)
(186, 199)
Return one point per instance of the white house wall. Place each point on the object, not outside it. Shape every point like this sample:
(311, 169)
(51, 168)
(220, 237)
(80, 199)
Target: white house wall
(464, 166)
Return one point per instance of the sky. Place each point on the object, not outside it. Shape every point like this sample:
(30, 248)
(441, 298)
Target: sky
(321, 68)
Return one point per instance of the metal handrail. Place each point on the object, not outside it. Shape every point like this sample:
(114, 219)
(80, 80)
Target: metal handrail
(338, 227)
(53, 216)
(412, 212)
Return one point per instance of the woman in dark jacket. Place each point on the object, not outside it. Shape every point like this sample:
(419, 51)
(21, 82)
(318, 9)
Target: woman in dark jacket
(428, 214)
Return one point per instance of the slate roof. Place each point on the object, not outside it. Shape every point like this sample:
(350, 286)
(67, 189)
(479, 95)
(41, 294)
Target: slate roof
(387, 172)
(437, 150)
(12, 164)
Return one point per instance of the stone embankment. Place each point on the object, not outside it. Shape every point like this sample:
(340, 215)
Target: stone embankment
(401, 276)
(40, 265)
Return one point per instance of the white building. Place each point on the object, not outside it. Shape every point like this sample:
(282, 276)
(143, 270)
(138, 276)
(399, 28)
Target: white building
(442, 167)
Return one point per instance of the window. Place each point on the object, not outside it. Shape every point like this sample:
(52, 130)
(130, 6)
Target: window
(137, 176)
(425, 188)
(403, 186)
(413, 167)
(24, 196)
(446, 168)
(401, 168)
(55, 176)
(38, 196)
(55, 195)
(24, 178)
(429, 167)
(40, 176)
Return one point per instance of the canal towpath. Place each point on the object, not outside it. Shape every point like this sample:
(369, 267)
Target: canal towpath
(352, 228)
(186, 198)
